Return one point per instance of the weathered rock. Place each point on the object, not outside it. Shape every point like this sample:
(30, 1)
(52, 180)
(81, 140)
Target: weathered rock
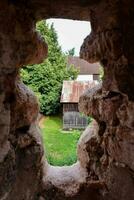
(115, 138)
(105, 167)
(25, 109)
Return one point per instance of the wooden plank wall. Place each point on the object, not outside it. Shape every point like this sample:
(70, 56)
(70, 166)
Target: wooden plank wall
(74, 120)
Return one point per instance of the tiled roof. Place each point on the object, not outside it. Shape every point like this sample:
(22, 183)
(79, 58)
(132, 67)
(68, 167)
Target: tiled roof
(84, 67)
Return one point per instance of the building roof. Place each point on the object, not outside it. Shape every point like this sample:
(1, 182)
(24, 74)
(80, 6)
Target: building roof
(84, 67)
(72, 90)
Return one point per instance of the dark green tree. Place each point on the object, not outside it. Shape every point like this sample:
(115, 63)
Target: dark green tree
(71, 52)
(46, 79)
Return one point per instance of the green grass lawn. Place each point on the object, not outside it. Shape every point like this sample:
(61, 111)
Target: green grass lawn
(60, 146)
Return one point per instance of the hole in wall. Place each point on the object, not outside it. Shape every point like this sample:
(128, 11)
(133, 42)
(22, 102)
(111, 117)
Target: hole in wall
(60, 121)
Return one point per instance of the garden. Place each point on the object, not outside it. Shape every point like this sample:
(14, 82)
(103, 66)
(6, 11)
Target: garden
(60, 146)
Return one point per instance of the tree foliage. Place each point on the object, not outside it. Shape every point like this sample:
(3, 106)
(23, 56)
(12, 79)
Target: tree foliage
(71, 52)
(46, 79)
(101, 73)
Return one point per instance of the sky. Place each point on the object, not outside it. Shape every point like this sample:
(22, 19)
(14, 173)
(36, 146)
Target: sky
(71, 33)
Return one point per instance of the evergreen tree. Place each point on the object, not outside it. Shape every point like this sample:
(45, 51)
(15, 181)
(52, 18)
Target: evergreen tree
(46, 79)
(71, 52)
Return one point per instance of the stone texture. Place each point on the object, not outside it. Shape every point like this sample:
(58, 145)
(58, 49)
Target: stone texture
(105, 166)
(111, 146)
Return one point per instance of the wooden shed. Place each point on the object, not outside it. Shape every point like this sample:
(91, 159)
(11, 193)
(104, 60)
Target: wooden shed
(71, 91)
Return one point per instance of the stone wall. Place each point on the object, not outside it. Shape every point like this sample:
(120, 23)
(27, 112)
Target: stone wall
(105, 166)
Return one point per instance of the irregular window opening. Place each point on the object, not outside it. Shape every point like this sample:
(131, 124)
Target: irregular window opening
(58, 83)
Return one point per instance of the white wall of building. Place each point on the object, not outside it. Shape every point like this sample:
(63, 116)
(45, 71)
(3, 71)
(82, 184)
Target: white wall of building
(85, 78)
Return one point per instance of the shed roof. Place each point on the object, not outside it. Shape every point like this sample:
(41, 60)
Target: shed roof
(72, 90)
(85, 67)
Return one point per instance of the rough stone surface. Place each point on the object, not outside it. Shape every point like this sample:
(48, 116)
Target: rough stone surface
(105, 166)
